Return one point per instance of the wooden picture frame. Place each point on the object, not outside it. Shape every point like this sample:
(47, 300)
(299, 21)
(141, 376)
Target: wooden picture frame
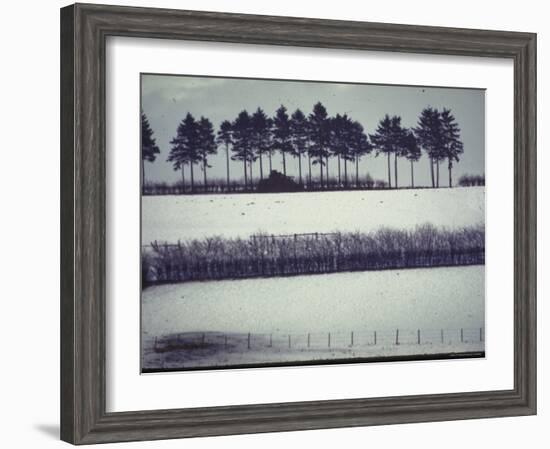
(84, 29)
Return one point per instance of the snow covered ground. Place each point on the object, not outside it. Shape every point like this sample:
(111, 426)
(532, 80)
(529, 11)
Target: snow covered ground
(202, 324)
(173, 218)
(431, 300)
(216, 356)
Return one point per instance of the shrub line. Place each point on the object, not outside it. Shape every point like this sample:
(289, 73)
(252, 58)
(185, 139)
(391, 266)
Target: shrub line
(262, 255)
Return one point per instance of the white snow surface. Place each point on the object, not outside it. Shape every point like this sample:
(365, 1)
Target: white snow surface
(279, 313)
(429, 300)
(435, 298)
(183, 217)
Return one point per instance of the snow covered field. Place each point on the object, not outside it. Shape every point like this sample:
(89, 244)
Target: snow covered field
(206, 324)
(341, 303)
(173, 218)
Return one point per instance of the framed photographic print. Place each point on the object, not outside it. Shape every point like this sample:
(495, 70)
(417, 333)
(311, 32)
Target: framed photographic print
(268, 223)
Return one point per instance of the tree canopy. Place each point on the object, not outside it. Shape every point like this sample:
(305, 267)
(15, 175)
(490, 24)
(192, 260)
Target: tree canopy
(185, 144)
(317, 136)
(149, 148)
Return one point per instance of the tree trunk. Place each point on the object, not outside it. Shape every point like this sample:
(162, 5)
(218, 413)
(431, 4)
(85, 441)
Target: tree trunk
(339, 172)
(321, 169)
(251, 179)
(227, 161)
(245, 175)
(300, 167)
(389, 170)
(450, 174)
(270, 166)
(261, 167)
(309, 164)
(356, 172)
(192, 178)
(183, 178)
(432, 171)
(437, 166)
(142, 175)
(395, 168)
(345, 172)
(204, 164)
(328, 179)
(412, 174)
(284, 163)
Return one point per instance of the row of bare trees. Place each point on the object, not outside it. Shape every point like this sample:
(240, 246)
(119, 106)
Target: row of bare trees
(252, 139)
(264, 255)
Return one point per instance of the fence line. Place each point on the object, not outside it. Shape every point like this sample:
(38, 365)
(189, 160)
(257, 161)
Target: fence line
(316, 340)
(254, 237)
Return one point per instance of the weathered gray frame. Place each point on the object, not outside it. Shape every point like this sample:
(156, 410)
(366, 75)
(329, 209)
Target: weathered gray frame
(84, 28)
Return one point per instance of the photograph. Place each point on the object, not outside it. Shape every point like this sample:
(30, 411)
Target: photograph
(302, 222)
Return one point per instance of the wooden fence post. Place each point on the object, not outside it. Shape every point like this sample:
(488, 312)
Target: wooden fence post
(375, 338)
(351, 338)
(461, 335)
(329, 339)
(289, 340)
(270, 340)
(418, 335)
(480, 334)
(308, 340)
(225, 341)
(249, 340)
(442, 339)
(397, 336)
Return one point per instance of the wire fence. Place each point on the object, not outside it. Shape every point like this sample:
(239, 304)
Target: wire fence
(232, 341)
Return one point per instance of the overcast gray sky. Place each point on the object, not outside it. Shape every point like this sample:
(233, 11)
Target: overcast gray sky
(166, 99)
